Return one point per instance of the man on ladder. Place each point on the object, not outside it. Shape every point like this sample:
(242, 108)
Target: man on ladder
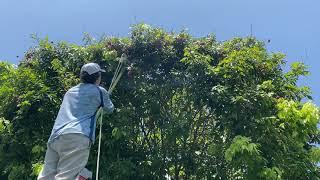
(74, 128)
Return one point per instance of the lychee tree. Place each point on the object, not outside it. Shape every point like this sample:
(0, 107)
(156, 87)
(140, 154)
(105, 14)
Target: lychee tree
(187, 108)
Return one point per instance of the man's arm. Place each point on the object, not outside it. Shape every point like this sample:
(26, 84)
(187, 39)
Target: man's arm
(108, 106)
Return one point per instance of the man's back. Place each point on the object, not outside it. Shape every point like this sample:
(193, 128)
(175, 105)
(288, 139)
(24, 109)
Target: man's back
(78, 109)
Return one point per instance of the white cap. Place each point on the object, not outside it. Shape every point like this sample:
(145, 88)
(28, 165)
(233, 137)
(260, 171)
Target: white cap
(91, 68)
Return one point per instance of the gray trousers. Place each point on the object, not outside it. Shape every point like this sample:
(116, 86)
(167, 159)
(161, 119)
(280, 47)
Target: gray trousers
(66, 157)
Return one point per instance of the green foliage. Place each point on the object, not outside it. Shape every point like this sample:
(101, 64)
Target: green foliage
(271, 173)
(193, 108)
(36, 168)
(240, 148)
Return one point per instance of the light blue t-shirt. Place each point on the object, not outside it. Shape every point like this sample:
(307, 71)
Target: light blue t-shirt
(78, 110)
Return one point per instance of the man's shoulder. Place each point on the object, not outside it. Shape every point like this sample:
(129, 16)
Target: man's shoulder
(102, 88)
(74, 88)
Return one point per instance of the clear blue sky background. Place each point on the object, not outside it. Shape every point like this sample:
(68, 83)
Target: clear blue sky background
(292, 26)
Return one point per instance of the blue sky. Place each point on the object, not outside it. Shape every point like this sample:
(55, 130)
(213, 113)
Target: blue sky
(292, 26)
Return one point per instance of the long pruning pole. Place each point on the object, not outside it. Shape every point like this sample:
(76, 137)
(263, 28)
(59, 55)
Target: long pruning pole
(116, 77)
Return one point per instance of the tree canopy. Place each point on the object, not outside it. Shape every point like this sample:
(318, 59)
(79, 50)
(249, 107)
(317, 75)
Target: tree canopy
(190, 108)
